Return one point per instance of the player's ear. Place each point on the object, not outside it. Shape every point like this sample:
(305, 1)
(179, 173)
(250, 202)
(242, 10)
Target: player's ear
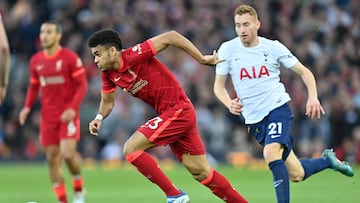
(258, 24)
(113, 50)
(59, 36)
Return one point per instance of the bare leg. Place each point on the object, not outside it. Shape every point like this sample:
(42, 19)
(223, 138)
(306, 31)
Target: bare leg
(56, 175)
(69, 153)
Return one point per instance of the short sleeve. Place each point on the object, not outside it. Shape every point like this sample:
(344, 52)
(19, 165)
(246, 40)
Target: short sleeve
(137, 54)
(75, 63)
(223, 68)
(285, 58)
(107, 84)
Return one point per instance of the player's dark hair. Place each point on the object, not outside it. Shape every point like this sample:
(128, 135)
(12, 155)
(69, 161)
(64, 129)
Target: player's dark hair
(106, 38)
(56, 23)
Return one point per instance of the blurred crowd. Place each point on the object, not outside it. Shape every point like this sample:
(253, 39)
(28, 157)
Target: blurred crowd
(323, 34)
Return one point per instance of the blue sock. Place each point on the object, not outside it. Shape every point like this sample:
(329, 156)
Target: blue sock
(281, 180)
(312, 166)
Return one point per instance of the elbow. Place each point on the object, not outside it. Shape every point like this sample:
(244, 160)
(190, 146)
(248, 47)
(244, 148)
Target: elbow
(172, 36)
(111, 106)
(173, 33)
(5, 51)
(216, 90)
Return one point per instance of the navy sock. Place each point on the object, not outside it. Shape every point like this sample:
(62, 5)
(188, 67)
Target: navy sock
(312, 166)
(281, 180)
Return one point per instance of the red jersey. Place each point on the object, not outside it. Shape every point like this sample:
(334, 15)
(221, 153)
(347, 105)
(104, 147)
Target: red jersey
(61, 79)
(145, 77)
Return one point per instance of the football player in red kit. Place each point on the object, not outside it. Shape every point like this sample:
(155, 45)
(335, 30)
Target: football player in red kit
(136, 71)
(60, 76)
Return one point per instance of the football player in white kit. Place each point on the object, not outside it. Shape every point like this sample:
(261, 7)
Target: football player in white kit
(254, 65)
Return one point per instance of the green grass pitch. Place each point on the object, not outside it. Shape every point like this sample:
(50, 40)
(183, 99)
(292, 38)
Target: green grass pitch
(21, 183)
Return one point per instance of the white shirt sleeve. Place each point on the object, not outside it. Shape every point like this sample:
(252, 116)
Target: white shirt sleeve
(286, 58)
(223, 68)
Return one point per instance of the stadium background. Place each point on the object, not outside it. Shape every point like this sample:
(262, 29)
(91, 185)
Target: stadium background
(324, 34)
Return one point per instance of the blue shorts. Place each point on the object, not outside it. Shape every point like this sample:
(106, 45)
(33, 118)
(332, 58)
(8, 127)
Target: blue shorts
(275, 127)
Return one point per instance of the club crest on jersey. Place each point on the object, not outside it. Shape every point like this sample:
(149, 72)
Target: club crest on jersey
(266, 55)
(39, 67)
(137, 48)
(58, 65)
(254, 72)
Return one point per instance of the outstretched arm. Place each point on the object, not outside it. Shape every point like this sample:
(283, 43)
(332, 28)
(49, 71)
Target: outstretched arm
(174, 38)
(4, 61)
(313, 106)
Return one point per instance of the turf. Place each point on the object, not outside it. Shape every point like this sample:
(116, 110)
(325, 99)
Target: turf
(21, 183)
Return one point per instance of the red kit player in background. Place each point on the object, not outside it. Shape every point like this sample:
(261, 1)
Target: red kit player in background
(59, 74)
(137, 72)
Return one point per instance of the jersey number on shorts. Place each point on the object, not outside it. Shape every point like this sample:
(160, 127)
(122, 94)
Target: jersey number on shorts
(153, 123)
(275, 128)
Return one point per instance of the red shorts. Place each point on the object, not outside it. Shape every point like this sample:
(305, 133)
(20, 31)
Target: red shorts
(52, 132)
(177, 128)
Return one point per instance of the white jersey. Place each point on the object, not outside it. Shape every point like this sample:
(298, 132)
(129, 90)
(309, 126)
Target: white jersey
(255, 73)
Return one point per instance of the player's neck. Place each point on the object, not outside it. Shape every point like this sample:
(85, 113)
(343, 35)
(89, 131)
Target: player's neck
(253, 43)
(52, 50)
(117, 63)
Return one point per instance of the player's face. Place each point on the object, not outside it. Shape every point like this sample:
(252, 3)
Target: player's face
(246, 27)
(49, 36)
(105, 58)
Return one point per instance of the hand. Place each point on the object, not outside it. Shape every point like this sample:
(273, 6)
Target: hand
(23, 115)
(68, 115)
(94, 127)
(235, 106)
(314, 108)
(211, 59)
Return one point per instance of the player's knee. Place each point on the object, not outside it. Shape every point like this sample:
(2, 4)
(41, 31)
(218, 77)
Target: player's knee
(199, 173)
(199, 176)
(68, 156)
(128, 149)
(137, 143)
(272, 152)
(296, 176)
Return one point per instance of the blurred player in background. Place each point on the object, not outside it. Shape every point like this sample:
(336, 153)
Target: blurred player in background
(253, 63)
(4, 61)
(137, 72)
(59, 74)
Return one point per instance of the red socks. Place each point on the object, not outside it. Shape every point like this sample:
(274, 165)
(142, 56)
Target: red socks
(78, 183)
(217, 183)
(221, 187)
(60, 189)
(146, 165)
(60, 192)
